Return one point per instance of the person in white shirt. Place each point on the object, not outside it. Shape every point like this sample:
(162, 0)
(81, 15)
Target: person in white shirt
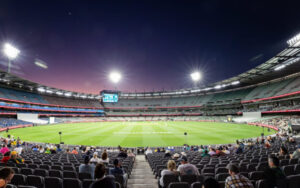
(95, 158)
(148, 151)
(186, 168)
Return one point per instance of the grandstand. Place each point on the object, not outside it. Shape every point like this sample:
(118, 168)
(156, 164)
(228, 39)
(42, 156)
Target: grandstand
(274, 96)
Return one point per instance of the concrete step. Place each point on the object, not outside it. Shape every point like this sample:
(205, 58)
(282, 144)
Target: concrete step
(142, 186)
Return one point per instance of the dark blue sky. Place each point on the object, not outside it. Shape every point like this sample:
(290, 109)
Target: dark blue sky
(155, 44)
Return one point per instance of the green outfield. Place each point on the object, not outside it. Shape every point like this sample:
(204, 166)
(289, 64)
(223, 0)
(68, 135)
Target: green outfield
(135, 134)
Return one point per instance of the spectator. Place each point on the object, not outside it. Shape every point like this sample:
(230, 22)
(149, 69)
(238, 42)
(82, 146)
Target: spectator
(95, 158)
(296, 154)
(210, 183)
(186, 168)
(171, 170)
(236, 180)
(15, 159)
(283, 151)
(167, 154)
(104, 158)
(212, 151)
(122, 154)
(148, 151)
(273, 173)
(6, 157)
(41, 149)
(74, 151)
(130, 153)
(86, 167)
(117, 170)
(6, 175)
(205, 154)
(101, 179)
(4, 149)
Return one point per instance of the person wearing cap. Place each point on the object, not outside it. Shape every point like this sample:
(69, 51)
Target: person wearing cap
(118, 170)
(236, 180)
(186, 168)
(296, 154)
(87, 167)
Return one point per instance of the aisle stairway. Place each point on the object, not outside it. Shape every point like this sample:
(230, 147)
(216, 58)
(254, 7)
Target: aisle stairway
(142, 175)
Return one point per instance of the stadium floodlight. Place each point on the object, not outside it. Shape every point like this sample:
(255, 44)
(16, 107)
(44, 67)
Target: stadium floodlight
(294, 41)
(59, 93)
(235, 82)
(40, 89)
(68, 94)
(279, 67)
(11, 53)
(115, 77)
(218, 87)
(196, 76)
(49, 91)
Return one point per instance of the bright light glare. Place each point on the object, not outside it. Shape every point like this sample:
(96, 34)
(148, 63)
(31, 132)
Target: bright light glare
(115, 77)
(196, 76)
(294, 40)
(10, 51)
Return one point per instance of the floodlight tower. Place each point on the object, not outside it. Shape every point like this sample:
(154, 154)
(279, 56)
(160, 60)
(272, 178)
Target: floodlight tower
(196, 77)
(11, 53)
(115, 78)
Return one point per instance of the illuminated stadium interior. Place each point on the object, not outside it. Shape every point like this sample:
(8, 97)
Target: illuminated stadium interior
(238, 127)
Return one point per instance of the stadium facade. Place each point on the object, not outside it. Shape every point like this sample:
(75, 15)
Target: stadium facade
(270, 88)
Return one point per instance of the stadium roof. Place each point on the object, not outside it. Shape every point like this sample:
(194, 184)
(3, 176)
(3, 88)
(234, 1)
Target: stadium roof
(283, 64)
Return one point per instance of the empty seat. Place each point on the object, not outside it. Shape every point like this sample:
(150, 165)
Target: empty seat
(56, 167)
(257, 175)
(179, 185)
(44, 166)
(69, 174)
(33, 166)
(21, 165)
(41, 172)
(221, 170)
(36, 181)
(10, 186)
(288, 170)
(221, 176)
(284, 162)
(55, 173)
(196, 185)
(189, 178)
(169, 178)
(83, 176)
(208, 170)
(120, 179)
(53, 182)
(19, 179)
(293, 181)
(297, 169)
(26, 171)
(87, 182)
(72, 183)
(293, 161)
(69, 168)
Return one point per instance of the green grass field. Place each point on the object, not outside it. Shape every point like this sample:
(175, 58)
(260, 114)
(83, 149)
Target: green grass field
(135, 134)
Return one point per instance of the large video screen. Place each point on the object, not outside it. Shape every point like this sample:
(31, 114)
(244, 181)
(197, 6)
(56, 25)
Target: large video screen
(110, 97)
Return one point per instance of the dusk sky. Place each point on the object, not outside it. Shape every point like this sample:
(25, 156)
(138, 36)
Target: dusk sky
(154, 44)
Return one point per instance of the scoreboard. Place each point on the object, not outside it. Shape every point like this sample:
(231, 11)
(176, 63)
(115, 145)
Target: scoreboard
(110, 96)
